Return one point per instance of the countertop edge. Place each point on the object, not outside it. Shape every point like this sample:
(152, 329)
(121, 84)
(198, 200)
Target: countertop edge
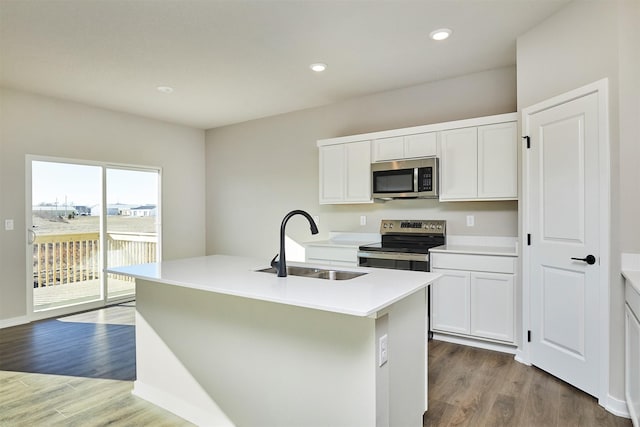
(476, 250)
(633, 278)
(370, 310)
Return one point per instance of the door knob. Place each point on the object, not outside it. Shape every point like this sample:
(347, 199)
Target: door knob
(589, 259)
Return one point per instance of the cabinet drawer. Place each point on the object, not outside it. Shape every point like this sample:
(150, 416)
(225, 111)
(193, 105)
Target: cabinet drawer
(328, 253)
(488, 263)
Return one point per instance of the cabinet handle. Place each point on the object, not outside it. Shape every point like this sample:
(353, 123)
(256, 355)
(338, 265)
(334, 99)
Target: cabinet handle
(589, 259)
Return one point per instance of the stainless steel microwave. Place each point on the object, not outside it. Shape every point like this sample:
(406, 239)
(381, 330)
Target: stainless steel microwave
(405, 179)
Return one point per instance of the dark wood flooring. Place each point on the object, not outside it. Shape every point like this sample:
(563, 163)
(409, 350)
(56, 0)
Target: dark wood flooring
(474, 387)
(96, 344)
(78, 370)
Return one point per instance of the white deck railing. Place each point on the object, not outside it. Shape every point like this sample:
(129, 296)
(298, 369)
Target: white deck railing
(68, 258)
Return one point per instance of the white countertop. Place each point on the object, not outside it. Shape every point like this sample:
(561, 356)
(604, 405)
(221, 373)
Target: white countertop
(633, 278)
(362, 296)
(346, 239)
(630, 264)
(479, 245)
(477, 250)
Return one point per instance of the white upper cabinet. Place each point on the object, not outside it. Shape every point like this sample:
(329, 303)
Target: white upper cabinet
(332, 173)
(405, 147)
(498, 161)
(421, 145)
(459, 164)
(479, 163)
(388, 148)
(345, 173)
(478, 159)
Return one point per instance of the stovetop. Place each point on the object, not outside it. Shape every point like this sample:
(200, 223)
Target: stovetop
(409, 236)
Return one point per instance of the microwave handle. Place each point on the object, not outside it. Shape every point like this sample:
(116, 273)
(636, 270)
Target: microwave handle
(415, 179)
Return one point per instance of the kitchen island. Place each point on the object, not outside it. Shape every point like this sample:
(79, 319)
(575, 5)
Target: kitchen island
(221, 344)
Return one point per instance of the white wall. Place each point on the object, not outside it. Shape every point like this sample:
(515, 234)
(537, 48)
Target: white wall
(259, 170)
(31, 124)
(582, 43)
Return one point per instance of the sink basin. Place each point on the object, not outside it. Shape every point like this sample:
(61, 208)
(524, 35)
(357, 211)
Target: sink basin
(317, 273)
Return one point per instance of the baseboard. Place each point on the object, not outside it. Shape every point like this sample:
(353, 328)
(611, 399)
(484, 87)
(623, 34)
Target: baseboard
(14, 321)
(615, 406)
(487, 345)
(520, 357)
(180, 407)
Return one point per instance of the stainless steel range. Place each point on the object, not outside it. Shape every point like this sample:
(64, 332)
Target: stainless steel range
(405, 244)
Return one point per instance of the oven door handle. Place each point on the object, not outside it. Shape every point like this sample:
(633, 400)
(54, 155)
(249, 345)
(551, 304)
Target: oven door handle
(394, 256)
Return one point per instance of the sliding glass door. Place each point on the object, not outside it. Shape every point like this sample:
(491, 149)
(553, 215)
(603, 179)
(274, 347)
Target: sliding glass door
(65, 234)
(86, 217)
(131, 224)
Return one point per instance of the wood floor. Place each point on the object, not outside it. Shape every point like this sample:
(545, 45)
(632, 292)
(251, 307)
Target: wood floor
(474, 387)
(79, 371)
(74, 371)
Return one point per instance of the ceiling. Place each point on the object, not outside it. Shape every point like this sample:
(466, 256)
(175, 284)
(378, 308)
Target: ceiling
(236, 60)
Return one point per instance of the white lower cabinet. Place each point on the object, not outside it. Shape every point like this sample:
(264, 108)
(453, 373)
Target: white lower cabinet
(477, 304)
(451, 291)
(632, 353)
(492, 302)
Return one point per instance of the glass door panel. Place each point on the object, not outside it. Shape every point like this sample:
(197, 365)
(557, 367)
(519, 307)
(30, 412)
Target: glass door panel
(131, 224)
(65, 220)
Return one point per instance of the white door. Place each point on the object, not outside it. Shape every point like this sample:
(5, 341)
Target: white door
(564, 214)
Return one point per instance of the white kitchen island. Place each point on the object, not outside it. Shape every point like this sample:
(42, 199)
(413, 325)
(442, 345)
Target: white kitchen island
(220, 344)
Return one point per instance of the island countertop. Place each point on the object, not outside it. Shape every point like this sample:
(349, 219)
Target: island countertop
(230, 275)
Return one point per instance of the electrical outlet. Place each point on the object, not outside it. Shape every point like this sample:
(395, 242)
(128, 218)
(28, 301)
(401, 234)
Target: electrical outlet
(363, 220)
(471, 220)
(383, 350)
(8, 224)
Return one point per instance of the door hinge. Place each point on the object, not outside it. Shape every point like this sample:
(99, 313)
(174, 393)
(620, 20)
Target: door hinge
(528, 336)
(528, 239)
(528, 141)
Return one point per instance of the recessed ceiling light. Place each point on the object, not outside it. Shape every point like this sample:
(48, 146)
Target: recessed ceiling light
(440, 34)
(165, 89)
(318, 67)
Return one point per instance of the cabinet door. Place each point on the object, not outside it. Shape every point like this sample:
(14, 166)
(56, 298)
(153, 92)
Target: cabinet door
(420, 145)
(450, 302)
(332, 173)
(358, 172)
(492, 306)
(388, 149)
(498, 161)
(459, 164)
(632, 364)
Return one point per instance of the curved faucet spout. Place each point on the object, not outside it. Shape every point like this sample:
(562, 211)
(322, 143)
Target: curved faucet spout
(281, 264)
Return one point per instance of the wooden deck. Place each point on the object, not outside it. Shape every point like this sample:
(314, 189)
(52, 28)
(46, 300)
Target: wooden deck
(78, 292)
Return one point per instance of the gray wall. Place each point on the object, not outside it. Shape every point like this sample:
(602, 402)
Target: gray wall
(585, 42)
(259, 170)
(36, 125)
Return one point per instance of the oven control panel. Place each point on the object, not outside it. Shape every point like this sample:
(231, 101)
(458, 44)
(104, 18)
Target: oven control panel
(413, 226)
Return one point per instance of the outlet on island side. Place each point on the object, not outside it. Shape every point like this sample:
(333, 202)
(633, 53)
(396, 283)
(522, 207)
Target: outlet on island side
(383, 350)
(363, 220)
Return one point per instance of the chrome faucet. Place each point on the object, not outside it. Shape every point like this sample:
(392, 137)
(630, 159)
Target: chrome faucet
(281, 264)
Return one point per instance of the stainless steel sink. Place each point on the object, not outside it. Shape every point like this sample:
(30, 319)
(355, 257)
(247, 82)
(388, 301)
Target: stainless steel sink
(317, 273)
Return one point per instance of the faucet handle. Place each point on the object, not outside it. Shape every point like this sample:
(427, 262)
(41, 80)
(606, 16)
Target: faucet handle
(275, 264)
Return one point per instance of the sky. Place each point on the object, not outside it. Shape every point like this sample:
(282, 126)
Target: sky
(80, 185)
